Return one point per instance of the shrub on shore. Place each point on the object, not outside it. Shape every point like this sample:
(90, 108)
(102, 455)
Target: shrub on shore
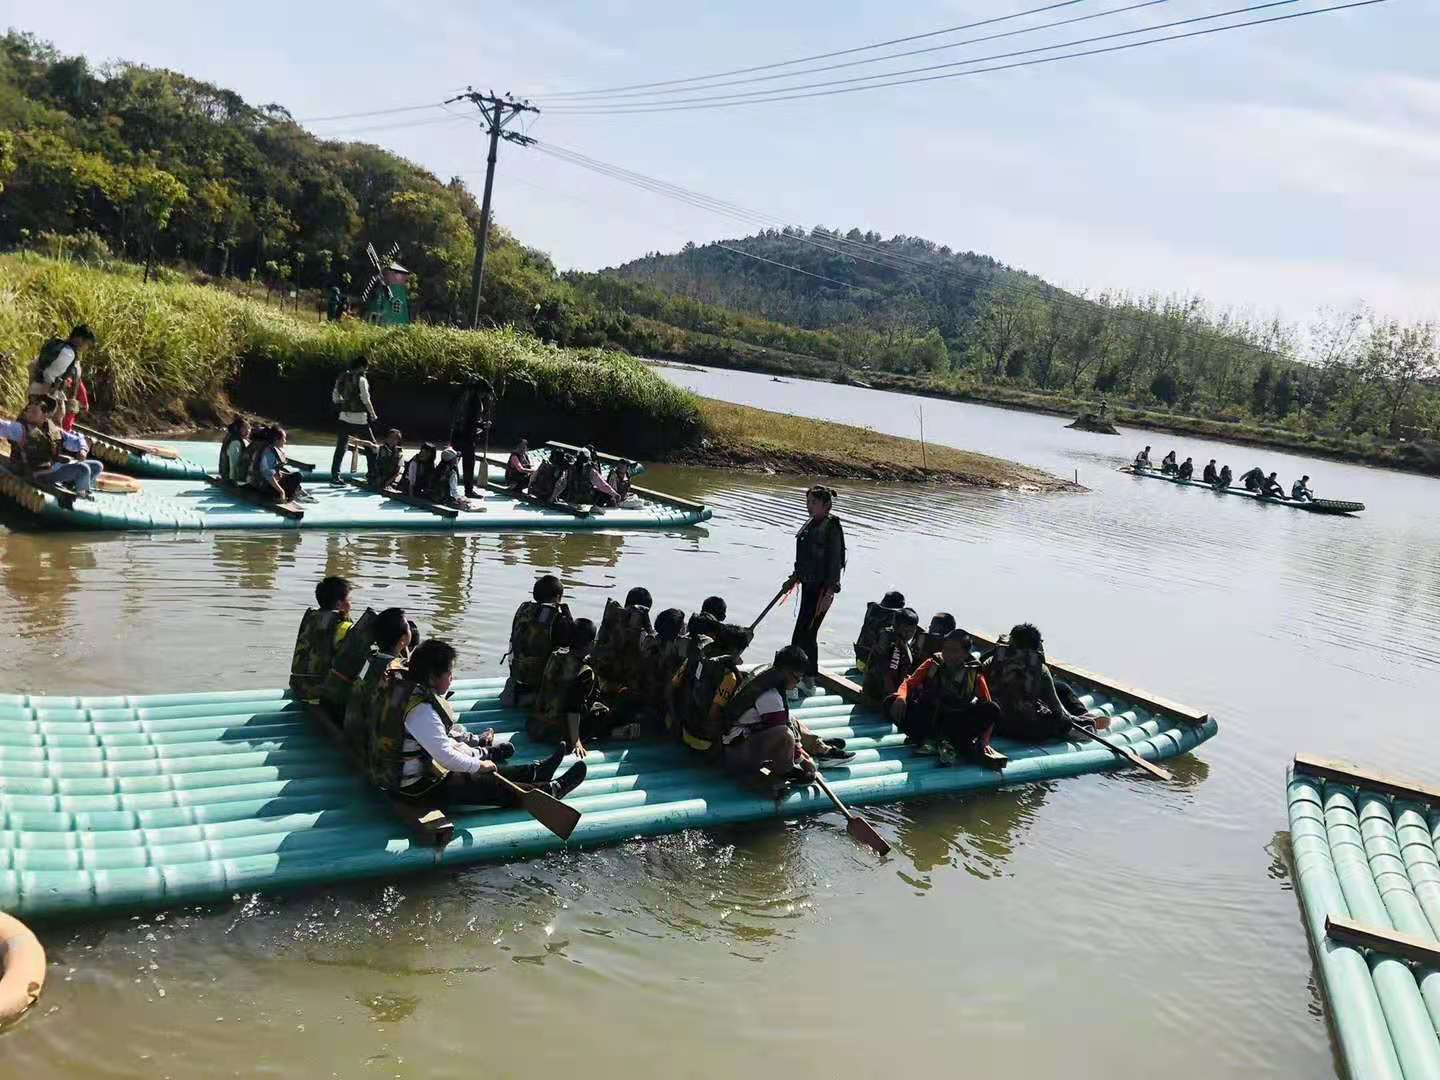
(167, 343)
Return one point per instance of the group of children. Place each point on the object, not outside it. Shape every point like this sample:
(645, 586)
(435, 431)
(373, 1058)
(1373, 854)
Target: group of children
(949, 700)
(254, 457)
(667, 677)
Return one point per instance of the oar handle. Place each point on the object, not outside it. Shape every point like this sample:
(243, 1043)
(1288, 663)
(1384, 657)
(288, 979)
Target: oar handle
(778, 596)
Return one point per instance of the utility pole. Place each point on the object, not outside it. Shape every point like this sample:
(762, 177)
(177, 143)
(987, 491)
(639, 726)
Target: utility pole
(497, 112)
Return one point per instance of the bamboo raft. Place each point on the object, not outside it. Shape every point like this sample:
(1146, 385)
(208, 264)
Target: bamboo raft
(150, 801)
(1312, 506)
(1368, 878)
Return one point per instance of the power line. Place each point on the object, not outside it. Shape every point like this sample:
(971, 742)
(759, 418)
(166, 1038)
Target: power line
(839, 87)
(887, 56)
(1043, 291)
(808, 59)
(369, 112)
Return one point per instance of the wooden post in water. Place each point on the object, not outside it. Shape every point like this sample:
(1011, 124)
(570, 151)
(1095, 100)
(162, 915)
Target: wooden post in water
(924, 462)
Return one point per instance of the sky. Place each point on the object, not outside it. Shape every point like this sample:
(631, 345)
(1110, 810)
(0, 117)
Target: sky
(1274, 170)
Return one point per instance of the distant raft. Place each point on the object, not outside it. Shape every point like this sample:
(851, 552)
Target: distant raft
(1366, 871)
(1313, 506)
(146, 802)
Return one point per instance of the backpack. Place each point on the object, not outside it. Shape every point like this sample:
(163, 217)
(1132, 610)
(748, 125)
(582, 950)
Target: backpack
(616, 656)
(877, 618)
(532, 640)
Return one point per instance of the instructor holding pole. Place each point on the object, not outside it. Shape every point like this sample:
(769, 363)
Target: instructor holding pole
(470, 431)
(351, 395)
(819, 562)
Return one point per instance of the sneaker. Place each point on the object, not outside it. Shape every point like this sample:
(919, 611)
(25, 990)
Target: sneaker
(544, 770)
(626, 732)
(835, 744)
(947, 753)
(927, 748)
(486, 737)
(831, 758)
(500, 752)
(573, 778)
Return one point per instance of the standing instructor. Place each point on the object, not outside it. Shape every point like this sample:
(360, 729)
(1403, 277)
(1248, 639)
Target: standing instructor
(469, 427)
(819, 562)
(351, 394)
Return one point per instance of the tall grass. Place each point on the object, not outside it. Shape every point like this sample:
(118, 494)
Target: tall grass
(166, 344)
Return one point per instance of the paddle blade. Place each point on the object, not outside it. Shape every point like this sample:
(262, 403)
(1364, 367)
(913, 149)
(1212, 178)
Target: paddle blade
(863, 832)
(555, 815)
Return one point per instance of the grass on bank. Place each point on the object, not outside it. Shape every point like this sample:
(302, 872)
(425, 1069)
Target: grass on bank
(749, 437)
(162, 344)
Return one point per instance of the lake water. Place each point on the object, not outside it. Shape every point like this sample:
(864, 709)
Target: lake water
(1098, 926)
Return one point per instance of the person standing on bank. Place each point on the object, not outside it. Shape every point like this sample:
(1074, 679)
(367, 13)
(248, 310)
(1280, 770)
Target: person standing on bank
(351, 394)
(469, 426)
(819, 562)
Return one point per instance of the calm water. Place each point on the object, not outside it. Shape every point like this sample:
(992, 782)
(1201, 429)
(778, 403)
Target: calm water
(1100, 926)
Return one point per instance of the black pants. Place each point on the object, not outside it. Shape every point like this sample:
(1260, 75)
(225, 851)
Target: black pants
(467, 454)
(289, 481)
(342, 443)
(924, 720)
(807, 627)
(482, 789)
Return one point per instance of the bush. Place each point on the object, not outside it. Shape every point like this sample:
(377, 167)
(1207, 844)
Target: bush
(161, 343)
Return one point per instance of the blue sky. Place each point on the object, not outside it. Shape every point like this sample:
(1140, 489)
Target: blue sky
(1271, 170)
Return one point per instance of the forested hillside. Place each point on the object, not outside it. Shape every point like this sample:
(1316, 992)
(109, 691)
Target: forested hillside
(910, 306)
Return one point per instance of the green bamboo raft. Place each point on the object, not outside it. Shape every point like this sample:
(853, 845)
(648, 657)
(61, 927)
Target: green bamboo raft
(145, 802)
(1366, 870)
(1312, 506)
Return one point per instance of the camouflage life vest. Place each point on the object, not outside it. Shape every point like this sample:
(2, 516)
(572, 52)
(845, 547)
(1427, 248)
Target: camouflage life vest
(43, 445)
(957, 685)
(532, 639)
(391, 748)
(257, 451)
(437, 486)
(616, 657)
(548, 713)
(347, 663)
(347, 389)
(659, 663)
(542, 481)
(877, 618)
(385, 466)
(48, 352)
(748, 692)
(1016, 675)
(578, 487)
(878, 667)
(367, 699)
(314, 649)
(224, 469)
(714, 682)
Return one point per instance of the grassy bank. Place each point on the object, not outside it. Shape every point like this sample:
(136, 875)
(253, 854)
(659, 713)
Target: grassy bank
(168, 352)
(174, 354)
(744, 437)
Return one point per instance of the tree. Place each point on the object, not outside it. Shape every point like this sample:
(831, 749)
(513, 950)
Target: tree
(1165, 387)
(1001, 326)
(154, 195)
(1398, 358)
(932, 353)
(7, 157)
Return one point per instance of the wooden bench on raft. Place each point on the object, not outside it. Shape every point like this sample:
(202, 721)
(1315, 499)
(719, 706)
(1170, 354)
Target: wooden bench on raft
(396, 495)
(1411, 947)
(245, 494)
(429, 825)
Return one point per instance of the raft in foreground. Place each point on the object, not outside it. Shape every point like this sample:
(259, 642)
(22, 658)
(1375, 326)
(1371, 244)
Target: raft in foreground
(1364, 849)
(133, 803)
(1313, 506)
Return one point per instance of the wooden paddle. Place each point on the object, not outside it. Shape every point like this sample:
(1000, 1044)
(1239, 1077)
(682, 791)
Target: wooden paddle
(778, 597)
(555, 815)
(115, 484)
(126, 444)
(1123, 752)
(859, 829)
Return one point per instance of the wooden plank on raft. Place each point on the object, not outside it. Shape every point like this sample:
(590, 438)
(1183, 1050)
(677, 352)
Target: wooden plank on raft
(838, 684)
(254, 498)
(662, 497)
(409, 500)
(1346, 773)
(576, 449)
(526, 497)
(1184, 713)
(143, 449)
(1390, 942)
(429, 825)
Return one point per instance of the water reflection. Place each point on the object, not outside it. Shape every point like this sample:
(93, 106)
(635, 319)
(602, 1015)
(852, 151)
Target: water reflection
(977, 835)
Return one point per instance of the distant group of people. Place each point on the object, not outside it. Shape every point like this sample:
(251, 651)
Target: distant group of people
(1256, 480)
(443, 473)
(43, 445)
